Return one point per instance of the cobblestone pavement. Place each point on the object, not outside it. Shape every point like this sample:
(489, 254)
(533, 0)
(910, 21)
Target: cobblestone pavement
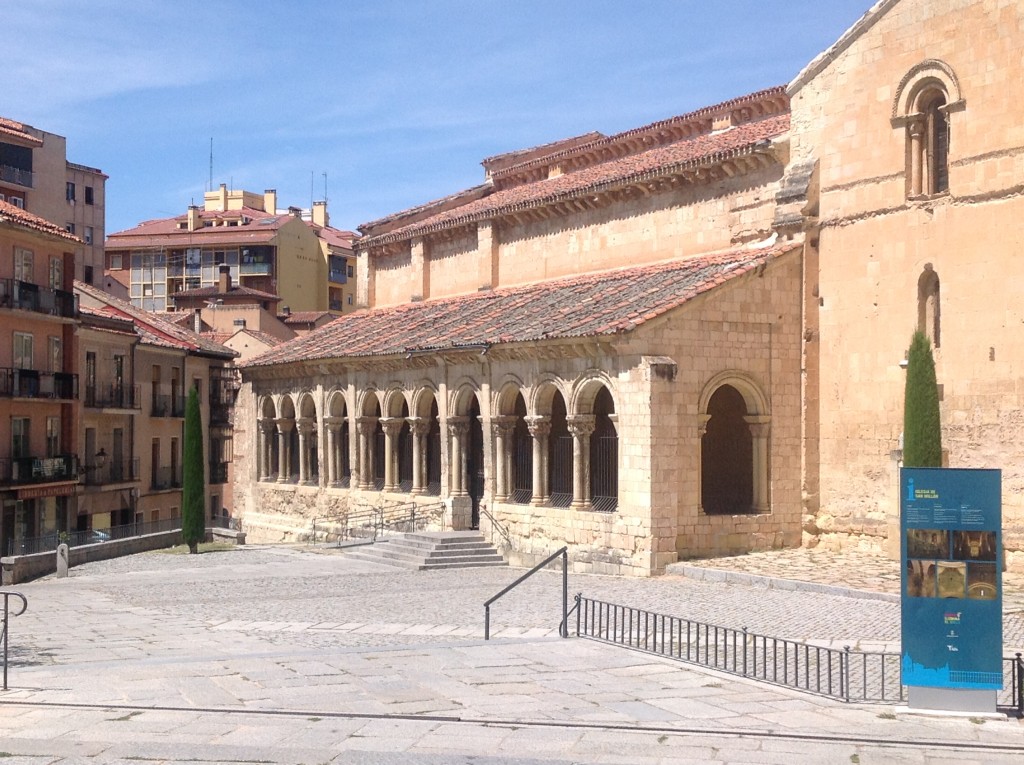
(276, 654)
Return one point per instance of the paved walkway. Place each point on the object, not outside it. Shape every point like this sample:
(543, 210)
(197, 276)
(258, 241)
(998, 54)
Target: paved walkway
(266, 654)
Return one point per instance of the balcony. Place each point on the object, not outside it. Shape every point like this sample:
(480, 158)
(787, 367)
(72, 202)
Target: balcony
(108, 472)
(218, 472)
(254, 269)
(16, 175)
(30, 383)
(335, 305)
(25, 296)
(29, 470)
(166, 478)
(113, 396)
(167, 405)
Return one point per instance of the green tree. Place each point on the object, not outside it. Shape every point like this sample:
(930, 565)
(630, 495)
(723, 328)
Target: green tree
(922, 430)
(193, 490)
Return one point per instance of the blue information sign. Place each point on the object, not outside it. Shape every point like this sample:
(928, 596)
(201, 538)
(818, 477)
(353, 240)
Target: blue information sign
(952, 580)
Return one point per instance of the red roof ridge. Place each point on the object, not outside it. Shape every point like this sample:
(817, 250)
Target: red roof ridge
(19, 130)
(25, 219)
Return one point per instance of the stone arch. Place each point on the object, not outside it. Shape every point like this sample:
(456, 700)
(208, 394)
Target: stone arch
(369, 403)
(267, 441)
(423, 398)
(586, 389)
(337, 403)
(734, 430)
(543, 393)
(462, 396)
(306, 461)
(505, 398)
(425, 430)
(929, 74)
(339, 439)
(926, 96)
(394, 399)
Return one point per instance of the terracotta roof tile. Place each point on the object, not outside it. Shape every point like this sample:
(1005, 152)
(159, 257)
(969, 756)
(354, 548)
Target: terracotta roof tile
(25, 219)
(234, 292)
(304, 317)
(660, 159)
(262, 227)
(18, 130)
(586, 306)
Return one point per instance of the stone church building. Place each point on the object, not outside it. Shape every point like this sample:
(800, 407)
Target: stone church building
(685, 339)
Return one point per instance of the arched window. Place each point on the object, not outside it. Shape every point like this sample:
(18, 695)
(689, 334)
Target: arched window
(925, 98)
(604, 455)
(727, 455)
(928, 306)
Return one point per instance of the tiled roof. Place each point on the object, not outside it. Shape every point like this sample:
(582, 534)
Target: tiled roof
(153, 329)
(335, 237)
(262, 227)
(17, 216)
(656, 161)
(18, 130)
(304, 317)
(235, 292)
(263, 337)
(600, 304)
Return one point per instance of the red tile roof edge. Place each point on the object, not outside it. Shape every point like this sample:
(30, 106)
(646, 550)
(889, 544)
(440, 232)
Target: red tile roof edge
(742, 261)
(541, 201)
(25, 219)
(426, 207)
(19, 130)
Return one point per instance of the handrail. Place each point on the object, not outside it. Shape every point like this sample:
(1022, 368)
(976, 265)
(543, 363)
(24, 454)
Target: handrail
(563, 628)
(7, 615)
(494, 521)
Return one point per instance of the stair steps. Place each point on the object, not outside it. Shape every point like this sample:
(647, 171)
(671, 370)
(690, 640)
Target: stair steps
(431, 551)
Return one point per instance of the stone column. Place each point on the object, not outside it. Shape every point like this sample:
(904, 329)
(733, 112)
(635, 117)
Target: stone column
(365, 427)
(306, 427)
(392, 427)
(917, 164)
(419, 427)
(458, 429)
(702, 430)
(284, 450)
(540, 428)
(581, 426)
(760, 429)
(504, 426)
(264, 436)
(333, 458)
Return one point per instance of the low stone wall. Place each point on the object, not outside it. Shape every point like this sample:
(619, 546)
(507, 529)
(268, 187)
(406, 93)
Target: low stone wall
(22, 568)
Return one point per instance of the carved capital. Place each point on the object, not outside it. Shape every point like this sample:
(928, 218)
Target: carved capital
(284, 425)
(419, 426)
(458, 426)
(334, 423)
(581, 425)
(392, 425)
(366, 425)
(539, 425)
(504, 424)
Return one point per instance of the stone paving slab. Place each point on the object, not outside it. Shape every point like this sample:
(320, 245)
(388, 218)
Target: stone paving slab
(200, 685)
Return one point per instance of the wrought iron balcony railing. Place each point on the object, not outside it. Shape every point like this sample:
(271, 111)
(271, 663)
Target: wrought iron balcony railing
(29, 470)
(26, 296)
(118, 471)
(113, 396)
(166, 478)
(31, 383)
(168, 405)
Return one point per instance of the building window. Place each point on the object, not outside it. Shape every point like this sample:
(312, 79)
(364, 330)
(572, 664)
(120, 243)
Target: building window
(89, 195)
(53, 436)
(19, 437)
(69, 227)
(23, 347)
(69, 192)
(926, 97)
(351, 271)
(56, 274)
(87, 274)
(17, 202)
(116, 263)
(87, 236)
(56, 354)
(928, 313)
(350, 300)
(23, 265)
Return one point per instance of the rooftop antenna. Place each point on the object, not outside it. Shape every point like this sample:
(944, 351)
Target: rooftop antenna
(210, 186)
(311, 177)
(325, 188)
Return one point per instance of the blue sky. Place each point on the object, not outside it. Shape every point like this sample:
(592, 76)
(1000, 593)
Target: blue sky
(396, 101)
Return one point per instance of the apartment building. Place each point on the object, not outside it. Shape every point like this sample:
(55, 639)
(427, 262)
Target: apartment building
(291, 254)
(39, 459)
(35, 174)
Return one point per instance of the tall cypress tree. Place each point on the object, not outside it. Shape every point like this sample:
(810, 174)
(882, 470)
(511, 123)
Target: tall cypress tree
(922, 430)
(193, 491)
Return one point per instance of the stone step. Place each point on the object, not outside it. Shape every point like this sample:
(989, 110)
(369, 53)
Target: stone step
(431, 550)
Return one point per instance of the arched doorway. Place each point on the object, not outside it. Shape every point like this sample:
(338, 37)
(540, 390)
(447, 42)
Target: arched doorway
(604, 455)
(727, 455)
(521, 480)
(560, 455)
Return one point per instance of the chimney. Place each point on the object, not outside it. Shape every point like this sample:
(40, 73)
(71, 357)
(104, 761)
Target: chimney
(270, 201)
(224, 283)
(197, 322)
(320, 217)
(286, 311)
(222, 197)
(295, 212)
(193, 217)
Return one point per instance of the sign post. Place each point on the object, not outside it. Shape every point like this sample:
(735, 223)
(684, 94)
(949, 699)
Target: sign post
(952, 616)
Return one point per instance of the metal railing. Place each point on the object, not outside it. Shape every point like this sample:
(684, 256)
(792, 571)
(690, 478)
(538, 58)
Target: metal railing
(370, 523)
(4, 632)
(31, 383)
(26, 296)
(844, 674)
(117, 471)
(563, 627)
(11, 174)
(165, 478)
(49, 542)
(26, 470)
(167, 405)
(113, 396)
(218, 472)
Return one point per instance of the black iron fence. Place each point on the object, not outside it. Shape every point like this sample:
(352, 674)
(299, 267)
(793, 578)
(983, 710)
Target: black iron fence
(371, 523)
(31, 383)
(840, 673)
